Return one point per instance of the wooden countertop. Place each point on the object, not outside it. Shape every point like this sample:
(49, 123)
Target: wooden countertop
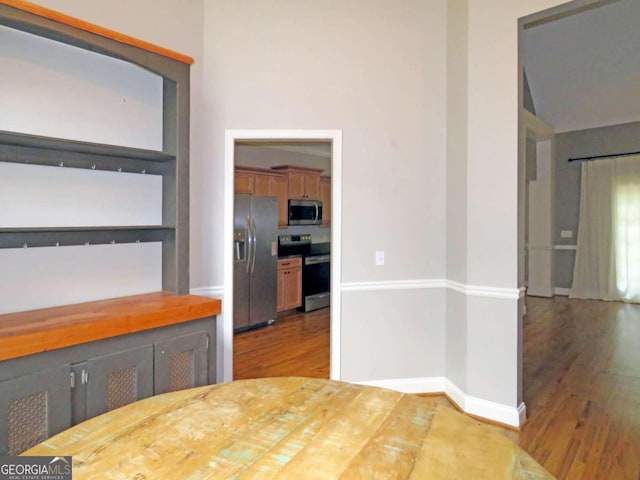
(289, 428)
(35, 331)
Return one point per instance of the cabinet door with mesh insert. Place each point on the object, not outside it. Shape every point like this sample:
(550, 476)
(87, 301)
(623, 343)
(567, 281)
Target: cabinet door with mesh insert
(34, 407)
(118, 379)
(181, 363)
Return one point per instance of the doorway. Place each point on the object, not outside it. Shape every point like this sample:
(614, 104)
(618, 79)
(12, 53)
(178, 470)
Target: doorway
(553, 244)
(292, 140)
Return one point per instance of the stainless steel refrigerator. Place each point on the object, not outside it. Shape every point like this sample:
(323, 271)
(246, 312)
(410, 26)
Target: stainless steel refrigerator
(255, 261)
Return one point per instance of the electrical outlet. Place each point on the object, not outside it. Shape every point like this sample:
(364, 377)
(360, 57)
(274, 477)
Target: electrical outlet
(379, 258)
(566, 233)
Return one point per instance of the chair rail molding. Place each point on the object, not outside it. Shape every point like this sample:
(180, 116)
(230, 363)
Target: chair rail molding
(431, 283)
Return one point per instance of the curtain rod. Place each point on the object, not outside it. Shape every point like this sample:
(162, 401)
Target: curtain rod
(596, 157)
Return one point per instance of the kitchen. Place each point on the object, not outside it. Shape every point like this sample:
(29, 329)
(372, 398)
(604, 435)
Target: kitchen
(282, 232)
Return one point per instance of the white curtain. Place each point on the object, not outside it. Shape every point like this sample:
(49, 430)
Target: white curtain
(607, 263)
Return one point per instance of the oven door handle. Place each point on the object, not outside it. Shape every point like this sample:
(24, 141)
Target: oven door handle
(317, 259)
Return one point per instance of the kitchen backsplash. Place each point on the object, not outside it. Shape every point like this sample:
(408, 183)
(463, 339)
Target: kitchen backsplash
(318, 235)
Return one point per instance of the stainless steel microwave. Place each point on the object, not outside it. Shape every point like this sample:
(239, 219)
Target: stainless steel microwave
(305, 212)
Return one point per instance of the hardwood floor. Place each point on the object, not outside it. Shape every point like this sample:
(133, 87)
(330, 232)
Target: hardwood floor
(296, 345)
(581, 365)
(582, 387)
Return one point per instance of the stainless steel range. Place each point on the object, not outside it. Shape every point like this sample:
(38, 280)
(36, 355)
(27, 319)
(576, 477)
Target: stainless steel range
(316, 267)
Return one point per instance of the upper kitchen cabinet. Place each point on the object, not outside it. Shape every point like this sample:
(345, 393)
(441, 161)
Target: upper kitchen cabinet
(257, 181)
(303, 183)
(244, 182)
(325, 198)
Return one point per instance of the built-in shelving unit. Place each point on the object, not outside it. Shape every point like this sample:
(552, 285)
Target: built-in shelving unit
(64, 364)
(172, 163)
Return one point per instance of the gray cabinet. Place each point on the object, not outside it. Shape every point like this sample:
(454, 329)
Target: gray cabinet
(118, 379)
(43, 394)
(110, 381)
(33, 407)
(181, 363)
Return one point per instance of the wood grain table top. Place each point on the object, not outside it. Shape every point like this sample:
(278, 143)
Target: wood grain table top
(288, 428)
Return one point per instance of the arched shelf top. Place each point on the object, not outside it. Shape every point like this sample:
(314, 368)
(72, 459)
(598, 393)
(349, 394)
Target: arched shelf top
(95, 29)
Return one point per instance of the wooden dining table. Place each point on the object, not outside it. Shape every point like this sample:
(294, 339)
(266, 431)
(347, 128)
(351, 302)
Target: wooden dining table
(288, 428)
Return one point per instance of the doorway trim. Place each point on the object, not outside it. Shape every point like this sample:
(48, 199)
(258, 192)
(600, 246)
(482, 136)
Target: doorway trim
(335, 138)
(540, 207)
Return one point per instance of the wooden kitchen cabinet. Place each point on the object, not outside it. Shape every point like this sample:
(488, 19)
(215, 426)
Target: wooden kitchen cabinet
(274, 185)
(303, 183)
(258, 181)
(244, 182)
(325, 198)
(279, 189)
(264, 183)
(289, 283)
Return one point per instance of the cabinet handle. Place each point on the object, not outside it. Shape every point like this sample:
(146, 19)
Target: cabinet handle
(85, 377)
(72, 378)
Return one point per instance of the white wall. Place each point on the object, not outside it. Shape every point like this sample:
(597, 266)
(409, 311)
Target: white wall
(46, 85)
(368, 68)
(457, 132)
(44, 196)
(49, 276)
(484, 206)
(377, 72)
(495, 235)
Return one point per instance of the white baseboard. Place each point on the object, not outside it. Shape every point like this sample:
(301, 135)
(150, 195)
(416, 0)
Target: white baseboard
(495, 412)
(217, 291)
(562, 291)
(522, 413)
(410, 385)
(455, 394)
(430, 283)
(543, 292)
(480, 407)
